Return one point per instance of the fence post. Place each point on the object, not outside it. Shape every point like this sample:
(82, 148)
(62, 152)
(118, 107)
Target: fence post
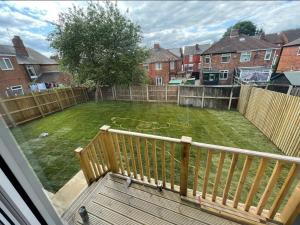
(73, 95)
(37, 104)
(81, 154)
(292, 207)
(130, 93)
(230, 98)
(85, 94)
(166, 92)
(147, 89)
(178, 94)
(289, 90)
(58, 100)
(203, 94)
(184, 166)
(109, 148)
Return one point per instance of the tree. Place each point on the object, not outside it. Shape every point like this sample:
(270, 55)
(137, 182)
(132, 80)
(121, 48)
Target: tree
(244, 27)
(99, 44)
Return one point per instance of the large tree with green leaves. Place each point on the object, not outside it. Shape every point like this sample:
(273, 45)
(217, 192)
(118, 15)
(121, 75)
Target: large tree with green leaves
(99, 43)
(244, 27)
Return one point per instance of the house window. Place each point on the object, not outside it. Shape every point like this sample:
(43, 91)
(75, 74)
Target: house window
(298, 51)
(159, 81)
(268, 54)
(211, 77)
(245, 57)
(17, 90)
(5, 64)
(223, 75)
(172, 65)
(146, 66)
(31, 71)
(225, 58)
(158, 66)
(190, 67)
(190, 58)
(207, 59)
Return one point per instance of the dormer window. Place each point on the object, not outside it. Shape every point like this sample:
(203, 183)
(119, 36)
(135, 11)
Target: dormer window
(245, 57)
(268, 54)
(31, 71)
(5, 64)
(225, 58)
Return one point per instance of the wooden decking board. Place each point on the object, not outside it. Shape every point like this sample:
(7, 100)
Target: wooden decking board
(108, 201)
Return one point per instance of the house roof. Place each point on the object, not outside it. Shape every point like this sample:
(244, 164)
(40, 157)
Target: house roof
(176, 51)
(275, 38)
(285, 36)
(161, 55)
(193, 49)
(293, 77)
(295, 42)
(292, 34)
(33, 58)
(241, 43)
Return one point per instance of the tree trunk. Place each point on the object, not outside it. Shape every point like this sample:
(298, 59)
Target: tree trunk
(97, 93)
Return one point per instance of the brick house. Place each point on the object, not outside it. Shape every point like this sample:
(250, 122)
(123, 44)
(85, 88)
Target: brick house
(246, 58)
(192, 59)
(162, 65)
(21, 66)
(290, 57)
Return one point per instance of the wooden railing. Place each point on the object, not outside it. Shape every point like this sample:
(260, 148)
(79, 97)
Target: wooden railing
(247, 186)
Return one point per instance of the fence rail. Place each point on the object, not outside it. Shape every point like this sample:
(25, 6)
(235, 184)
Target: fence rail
(156, 160)
(220, 96)
(21, 109)
(277, 115)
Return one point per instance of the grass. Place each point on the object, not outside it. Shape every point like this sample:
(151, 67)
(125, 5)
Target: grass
(52, 157)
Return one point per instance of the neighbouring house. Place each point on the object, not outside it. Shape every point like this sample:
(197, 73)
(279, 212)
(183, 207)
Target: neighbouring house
(290, 57)
(282, 37)
(162, 65)
(238, 58)
(192, 59)
(286, 78)
(21, 66)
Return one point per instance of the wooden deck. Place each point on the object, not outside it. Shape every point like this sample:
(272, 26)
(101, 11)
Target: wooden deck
(109, 201)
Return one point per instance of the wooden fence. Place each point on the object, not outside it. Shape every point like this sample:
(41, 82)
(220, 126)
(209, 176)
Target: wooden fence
(21, 109)
(206, 173)
(277, 115)
(220, 97)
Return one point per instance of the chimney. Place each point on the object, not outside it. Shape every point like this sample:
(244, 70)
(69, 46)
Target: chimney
(19, 46)
(197, 47)
(234, 33)
(156, 46)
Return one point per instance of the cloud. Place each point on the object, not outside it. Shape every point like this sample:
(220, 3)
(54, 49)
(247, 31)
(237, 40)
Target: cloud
(173, 24)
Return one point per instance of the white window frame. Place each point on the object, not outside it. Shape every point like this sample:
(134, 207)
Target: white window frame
(17, 87)
(158, 81)
(7, 67)
(211, 77)
(226, 55)
(190, 58)
(248, 53)
(190, 67)
(31, 67)
(158, 66)
(207, 57)
(268, 53)
(221, 76)
(146, 66)
(172, 65)
(298, 53)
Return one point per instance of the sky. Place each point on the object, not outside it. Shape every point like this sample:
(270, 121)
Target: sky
(170, 23)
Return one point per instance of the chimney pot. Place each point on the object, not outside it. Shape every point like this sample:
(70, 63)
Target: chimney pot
(156, 46)
(19, 46)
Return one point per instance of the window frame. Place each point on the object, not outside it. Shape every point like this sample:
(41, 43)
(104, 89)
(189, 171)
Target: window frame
(226, 55)
(146, 65)
(7, 68)
(20, 88)
(172, 65)
(209, 59)
(298, 53)
(191, 56)
(31, 67)
(158, 78)
(245, 52)
(268, 50)
(158, 67)
(222, 72)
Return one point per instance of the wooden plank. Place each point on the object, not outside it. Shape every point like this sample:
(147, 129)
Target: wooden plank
(119, 156)
(139, 157)
(125, 155)
(132, 156)
(154, 161)
(242, 180)
(147, 160)
(268, 190)
(255, 185)
(58, 99)
(229, 177)
(73, 95)
(37, 104)
(184, 165)
(172, 165)
(163, 164)
(218, 176)
(196, 172)
(207, 171)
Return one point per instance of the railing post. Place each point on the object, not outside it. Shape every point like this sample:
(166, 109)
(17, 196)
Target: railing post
(109, 148)
(84, 164)
(184, 167)
(292, 207)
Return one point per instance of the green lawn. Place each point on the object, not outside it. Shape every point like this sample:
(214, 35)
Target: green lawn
(53, 158)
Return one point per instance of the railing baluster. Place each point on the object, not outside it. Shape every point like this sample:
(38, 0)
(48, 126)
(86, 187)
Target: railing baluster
(147, 161)
(132, 157)
(91, 163)
(103, 151)
(125, 156)
(99, 153)
(172, 165)
(184, 165)
(229, 177)
(139, 157)
(255, 185)
(163, 164)
(207, 170)
(119, 157)
(196, 171)
(242, 180)
(218, 176)
(272, 181)
(284, 190)
(96, 159)
(154, 160)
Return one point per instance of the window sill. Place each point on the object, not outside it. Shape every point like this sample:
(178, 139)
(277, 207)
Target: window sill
(7, 69)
